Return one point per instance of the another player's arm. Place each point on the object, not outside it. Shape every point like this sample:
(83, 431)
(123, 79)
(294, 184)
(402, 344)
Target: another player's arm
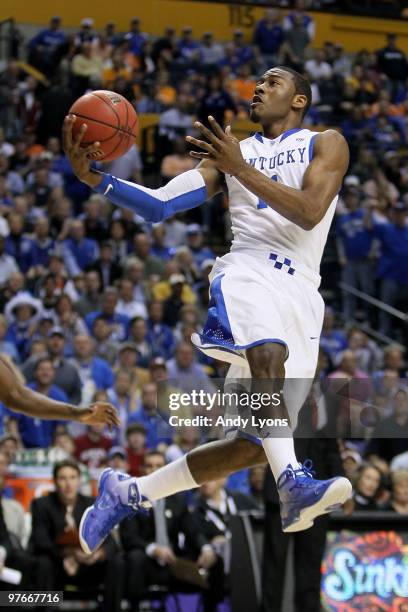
(16, 396)
(321, 182)
(186, 191)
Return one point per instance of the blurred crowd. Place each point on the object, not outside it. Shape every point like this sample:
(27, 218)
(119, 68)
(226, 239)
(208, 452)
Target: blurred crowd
(97, 305)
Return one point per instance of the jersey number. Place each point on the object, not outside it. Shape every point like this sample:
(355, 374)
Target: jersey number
(261, 203)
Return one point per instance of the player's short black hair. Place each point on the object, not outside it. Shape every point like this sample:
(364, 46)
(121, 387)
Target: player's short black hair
(302, 86)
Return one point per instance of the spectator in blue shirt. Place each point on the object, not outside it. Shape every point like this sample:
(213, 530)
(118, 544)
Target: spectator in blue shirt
(354, 125)
(269, 36)
(74, 190)
(18, 245)
(118, 322)
(7, 347)
(299, 15)
(38, 433)
(354, 243)
(216, 101)
(49, 38)
(158, 247)
(79, 251)
(138, 341)
(195, 243)
(121, 396)
(231, 59)
(22, 311)
(184, 370)
(13, 181)
(135, 38)
(211, 52)
(393, 262)
(86, 34)
(91, 369)
(42, 245)
(332, 341)
(110, 35)
(189, 48)
(159, 335)
(388, 132)
(243, 52)
(157, 427)
(45, 47)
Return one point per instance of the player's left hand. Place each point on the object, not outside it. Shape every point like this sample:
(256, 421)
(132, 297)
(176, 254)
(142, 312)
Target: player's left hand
(100, 413)
(223, 148)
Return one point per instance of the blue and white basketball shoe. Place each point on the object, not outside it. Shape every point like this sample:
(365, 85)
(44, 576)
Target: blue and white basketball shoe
(108, 510)
(303, 498)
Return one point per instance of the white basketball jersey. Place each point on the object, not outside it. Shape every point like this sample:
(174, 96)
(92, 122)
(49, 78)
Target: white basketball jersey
(254, 223)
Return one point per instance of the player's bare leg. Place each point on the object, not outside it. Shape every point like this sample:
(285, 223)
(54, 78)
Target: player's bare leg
(302, 498)
(120, 495)
(224, 457)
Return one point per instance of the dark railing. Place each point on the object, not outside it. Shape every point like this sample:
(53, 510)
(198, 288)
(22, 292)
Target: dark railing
(379, 305)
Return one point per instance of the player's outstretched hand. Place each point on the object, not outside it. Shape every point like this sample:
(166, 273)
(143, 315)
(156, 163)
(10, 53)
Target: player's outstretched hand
(77, 155)
(223, 148)
(100, 413)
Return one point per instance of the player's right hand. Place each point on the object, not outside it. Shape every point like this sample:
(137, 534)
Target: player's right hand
(77, 155)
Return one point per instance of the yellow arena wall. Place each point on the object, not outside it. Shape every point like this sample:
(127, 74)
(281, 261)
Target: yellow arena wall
(354, 33)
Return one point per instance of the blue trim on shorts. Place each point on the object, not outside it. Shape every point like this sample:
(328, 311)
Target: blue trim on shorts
(311, 147)
(220, 303)
(265, 341)
(205, 339)
(217, 329)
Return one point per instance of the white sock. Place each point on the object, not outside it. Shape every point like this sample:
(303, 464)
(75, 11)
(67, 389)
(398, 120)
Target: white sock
(280, 452)
(171, 478)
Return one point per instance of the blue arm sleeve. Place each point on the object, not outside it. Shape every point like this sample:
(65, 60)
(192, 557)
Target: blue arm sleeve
(181, 193)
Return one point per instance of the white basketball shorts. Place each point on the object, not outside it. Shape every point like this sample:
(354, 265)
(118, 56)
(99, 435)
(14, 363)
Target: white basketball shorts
(258, 297)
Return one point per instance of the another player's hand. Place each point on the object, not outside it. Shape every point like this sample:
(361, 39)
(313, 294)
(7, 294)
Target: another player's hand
(100, 413)
(223, 147)
(77, 155)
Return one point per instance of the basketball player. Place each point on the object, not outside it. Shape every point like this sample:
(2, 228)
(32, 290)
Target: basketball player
(265, 313)
(16, 396)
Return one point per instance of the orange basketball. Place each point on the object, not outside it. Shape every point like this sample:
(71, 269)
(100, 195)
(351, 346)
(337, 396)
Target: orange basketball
(111, 120)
